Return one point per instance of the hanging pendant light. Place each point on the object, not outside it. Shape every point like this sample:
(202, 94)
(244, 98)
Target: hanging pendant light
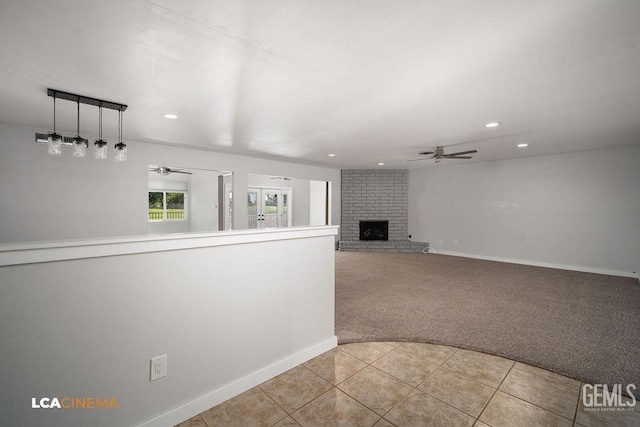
(80, 144)
(120, 154)
(54, 142)
(100, 145)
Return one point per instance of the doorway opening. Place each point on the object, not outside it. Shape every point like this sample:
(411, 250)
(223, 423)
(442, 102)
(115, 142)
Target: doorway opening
(269, 207)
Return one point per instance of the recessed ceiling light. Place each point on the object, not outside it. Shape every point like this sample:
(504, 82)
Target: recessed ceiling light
(524, 144)
(169, 116)
(332, 155)
(492, 124)
(380, 164)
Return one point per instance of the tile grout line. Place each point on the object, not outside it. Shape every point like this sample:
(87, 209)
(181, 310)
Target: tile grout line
(308, 403)
(494, 392)
(575, 414)
(321, 394)
(203, 420)
(475, 380)
(415, 388)
(277, 404)
(546, 370)
(370, 365)
(536, 405)
(362, 403)
(523, 400)
(290, 414)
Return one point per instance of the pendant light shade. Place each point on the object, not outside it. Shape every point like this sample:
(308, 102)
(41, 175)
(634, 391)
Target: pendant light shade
(120, 153)
(80, 144)
(100, 145)
(100, 149)
(54, 142)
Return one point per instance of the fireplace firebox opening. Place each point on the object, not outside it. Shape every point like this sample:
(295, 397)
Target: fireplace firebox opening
(374, 230)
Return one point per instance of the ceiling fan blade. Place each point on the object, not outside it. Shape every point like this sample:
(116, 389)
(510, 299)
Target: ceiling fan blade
(425, 153)
(449, 156)
(163, 170)
(463, 152)
(417, 160)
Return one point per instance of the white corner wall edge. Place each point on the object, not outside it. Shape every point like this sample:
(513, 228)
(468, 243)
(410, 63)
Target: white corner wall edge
(539, 264)
(197, 406)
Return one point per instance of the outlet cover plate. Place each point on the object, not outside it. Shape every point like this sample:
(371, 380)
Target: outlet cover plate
(158, 367)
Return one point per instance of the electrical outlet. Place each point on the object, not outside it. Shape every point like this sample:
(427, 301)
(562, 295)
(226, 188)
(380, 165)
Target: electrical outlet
(158, 367)
(455, 243)
(440, 242)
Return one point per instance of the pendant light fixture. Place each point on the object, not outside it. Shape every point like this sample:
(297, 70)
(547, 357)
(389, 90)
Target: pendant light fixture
(100, 145)
(120, 153)
(54, 142)
(80, 144)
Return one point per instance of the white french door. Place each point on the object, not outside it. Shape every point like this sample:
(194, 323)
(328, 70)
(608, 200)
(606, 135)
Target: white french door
(269, 207)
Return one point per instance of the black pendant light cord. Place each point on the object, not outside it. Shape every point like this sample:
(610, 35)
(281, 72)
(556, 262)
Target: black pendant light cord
(78, 130)
(54, 115)
(100, 123)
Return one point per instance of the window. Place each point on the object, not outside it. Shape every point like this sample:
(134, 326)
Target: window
(167, 206)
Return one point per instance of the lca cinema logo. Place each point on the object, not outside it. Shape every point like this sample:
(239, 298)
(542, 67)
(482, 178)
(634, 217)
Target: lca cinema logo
(601, 397)
(74, 403)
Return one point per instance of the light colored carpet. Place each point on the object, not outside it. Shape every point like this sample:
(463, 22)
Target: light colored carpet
(582, 325)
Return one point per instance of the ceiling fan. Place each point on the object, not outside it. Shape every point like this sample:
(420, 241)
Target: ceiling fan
(163, 170)
(439, 154)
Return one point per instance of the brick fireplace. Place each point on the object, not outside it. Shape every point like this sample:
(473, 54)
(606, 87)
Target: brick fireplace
(377, 198)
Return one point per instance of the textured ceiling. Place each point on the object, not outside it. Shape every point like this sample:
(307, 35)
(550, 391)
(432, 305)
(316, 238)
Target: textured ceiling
(371, 81)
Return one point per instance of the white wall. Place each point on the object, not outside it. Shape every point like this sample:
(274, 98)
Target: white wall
(49, 198)
(87, 326)
(203, 201)
(317, 202)
(571, 210)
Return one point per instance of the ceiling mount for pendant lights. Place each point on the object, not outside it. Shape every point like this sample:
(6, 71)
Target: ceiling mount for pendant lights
(81, 144)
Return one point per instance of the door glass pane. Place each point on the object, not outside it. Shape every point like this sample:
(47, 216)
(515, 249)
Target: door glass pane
(270, 209)
(285, 210)
(156, 208)
(252, 209)
(175, 205)
(229, 224)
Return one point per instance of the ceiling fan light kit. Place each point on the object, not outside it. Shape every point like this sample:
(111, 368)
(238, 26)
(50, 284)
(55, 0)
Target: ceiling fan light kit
(80, 144)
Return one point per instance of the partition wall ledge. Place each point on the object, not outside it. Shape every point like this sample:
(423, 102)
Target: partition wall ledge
(38, 252)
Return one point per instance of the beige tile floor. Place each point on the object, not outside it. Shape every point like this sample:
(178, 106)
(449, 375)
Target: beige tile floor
(410, 384)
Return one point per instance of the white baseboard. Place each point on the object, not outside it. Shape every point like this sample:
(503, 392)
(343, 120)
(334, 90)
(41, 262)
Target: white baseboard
(201, 404)
(539, 264)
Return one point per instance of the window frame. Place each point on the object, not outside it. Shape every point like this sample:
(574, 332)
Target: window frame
(164, 218)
